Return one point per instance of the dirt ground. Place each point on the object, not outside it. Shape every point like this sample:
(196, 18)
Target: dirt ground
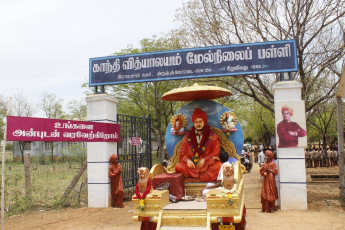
(324, 211)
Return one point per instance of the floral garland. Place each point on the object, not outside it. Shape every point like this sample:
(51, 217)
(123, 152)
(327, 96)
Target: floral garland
(200, 148)
(142, 197)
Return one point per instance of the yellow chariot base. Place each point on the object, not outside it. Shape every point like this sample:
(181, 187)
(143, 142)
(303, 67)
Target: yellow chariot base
(223, 208)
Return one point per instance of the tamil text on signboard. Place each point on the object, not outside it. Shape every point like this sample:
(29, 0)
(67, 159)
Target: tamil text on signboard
(254, 58)
(43, 129)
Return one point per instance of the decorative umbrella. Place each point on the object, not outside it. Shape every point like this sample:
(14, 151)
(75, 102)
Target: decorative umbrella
(196, 92)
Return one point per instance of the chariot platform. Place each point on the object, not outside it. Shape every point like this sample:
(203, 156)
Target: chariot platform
(223, 209)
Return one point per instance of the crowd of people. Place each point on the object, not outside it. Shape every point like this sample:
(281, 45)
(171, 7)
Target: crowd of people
(259, 153)
(319, 157)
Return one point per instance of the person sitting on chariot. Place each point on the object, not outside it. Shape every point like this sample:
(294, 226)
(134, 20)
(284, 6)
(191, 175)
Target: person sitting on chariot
(199, 151)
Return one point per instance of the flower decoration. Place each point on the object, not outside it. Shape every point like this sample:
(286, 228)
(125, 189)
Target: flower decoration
(199, 149)
(142, 196)
(230, 200)
(142, 205)
(196, 158)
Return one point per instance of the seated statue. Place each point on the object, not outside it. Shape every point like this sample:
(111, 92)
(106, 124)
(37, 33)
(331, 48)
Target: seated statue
(198, 155)
(228, 175)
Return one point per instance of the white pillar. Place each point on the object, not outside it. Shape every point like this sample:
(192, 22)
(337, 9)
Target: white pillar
(100, 108)
(291, 161)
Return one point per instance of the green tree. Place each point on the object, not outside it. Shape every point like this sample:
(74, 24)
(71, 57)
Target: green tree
(142, 99)
(52, 108)
(20, 106)
(260, 124)
(3, 106)
(77, 110)
(323, 124)
(317, 27)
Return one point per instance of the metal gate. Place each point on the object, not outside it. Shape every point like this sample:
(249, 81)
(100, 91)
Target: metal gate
(131, 157)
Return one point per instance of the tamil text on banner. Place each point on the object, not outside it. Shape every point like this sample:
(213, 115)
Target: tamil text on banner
(43, 129)
(215, 61)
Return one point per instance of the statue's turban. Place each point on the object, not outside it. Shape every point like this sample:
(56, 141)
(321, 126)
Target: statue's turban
(198, 113)
(269, 154)
(113, 158)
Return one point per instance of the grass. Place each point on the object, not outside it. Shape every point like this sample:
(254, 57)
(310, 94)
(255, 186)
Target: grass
(48, 183)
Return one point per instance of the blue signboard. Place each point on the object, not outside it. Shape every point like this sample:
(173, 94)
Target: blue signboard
(215, 61)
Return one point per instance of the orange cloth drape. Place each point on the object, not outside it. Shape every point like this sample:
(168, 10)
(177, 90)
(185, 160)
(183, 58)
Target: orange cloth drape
(210, 170)
(269, 191)
(115, 171)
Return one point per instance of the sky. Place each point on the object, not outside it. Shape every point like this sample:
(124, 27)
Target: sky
(45, 45)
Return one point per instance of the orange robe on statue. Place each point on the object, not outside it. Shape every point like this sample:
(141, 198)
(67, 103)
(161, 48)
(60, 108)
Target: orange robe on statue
(269, 191)
(115, 170)
(208, 151)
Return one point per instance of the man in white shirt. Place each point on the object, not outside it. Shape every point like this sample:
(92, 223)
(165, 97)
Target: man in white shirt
(261, 158)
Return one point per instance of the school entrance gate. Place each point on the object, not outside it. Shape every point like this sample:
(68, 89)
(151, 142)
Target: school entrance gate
(217, 61)
(134, 150)
(133, 155)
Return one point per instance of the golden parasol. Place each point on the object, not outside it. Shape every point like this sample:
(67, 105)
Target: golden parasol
(196, 92)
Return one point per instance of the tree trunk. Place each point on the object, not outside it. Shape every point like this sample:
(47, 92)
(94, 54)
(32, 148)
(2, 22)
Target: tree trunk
(341, 149)
(21, 147)
(52, 149)
(27, 176)
(324, 150)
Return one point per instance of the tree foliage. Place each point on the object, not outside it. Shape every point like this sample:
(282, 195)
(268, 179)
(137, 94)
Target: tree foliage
(51, 105)
(317, 27)
(77, 110)
(323, 124)
(19, 106)
(143, 99)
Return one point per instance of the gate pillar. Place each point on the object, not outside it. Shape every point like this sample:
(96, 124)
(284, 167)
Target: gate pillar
(291, 160)
(100, 108)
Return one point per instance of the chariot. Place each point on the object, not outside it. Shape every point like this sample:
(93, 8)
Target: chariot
(222, 208)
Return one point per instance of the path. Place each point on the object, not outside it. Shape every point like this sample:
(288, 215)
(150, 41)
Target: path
(113, 218)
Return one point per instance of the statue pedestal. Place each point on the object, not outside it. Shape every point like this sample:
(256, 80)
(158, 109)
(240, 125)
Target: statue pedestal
(100, 108)
(292, 185)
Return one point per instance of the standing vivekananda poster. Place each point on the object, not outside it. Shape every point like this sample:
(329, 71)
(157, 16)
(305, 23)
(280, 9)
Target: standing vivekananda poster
(291, 128)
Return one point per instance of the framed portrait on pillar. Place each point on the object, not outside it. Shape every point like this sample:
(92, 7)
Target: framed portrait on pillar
(290, 123)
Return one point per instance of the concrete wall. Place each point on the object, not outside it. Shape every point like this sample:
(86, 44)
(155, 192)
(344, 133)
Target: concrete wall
(291, 163)
(100, 108)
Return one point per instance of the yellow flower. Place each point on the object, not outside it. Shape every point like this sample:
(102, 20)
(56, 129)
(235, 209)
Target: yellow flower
(197, 154)
(229, 196)
(141, 203)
